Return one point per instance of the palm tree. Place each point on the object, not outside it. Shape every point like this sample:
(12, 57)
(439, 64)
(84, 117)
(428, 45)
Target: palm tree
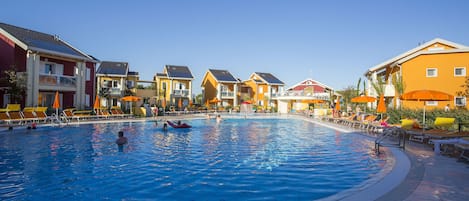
(399, 86)
(105, 93)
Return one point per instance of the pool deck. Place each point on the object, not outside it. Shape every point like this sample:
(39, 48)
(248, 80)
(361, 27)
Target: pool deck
(430, 176)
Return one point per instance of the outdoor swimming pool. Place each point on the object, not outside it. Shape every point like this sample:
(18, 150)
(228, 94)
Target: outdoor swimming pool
(238, 159)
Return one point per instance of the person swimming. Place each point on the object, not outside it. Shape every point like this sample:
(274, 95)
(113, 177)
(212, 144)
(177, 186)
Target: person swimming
(121, 140)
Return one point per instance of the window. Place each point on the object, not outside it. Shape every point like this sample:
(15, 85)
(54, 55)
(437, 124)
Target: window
(460, 101)
(87, 100)
(431, 103)
(164, 85)
(130, 84)
(88, 74)
(432, 72)
(115, 84)
(459, 71)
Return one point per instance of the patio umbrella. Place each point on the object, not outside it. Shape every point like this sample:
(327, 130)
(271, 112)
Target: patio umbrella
(313, 101)
(96, 105)
(363, 99)
(131, 99)
(56, 104)
(337, 104)
(215, 100)
(381, 105)
(180, 103)
(426, 95)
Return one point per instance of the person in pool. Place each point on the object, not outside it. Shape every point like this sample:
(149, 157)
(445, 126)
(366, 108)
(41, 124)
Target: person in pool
(121, 140)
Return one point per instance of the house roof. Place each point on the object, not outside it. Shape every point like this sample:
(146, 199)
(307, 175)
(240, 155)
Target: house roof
(113, 68)
(413, 51)
(269, 78)
(309, 82)
(41, 42)
(430, 52)
(178, 72)
(223, 75)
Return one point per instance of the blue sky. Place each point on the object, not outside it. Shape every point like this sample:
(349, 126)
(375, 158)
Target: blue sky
(333, 42)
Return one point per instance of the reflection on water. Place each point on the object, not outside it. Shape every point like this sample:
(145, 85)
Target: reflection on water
(241, 159)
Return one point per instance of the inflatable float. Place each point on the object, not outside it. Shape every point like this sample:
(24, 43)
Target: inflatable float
(183, 125)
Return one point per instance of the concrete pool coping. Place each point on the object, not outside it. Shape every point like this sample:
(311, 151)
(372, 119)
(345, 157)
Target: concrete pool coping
(418, 173)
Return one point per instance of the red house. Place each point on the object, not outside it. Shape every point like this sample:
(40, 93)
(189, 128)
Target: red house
(48, 64)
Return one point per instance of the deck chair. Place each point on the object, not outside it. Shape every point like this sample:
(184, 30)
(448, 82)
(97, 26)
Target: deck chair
(29, 114)
(11, 107)
(41, 114)
(16, 117)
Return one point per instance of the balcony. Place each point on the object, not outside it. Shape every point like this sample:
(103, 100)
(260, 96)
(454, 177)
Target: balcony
(181, 93)
(227, 94)
(115, 92)
(57, 80)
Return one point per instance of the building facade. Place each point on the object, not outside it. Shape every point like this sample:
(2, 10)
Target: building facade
(174, 84)
(114, 81)
(222, 85)
(263, 88)
(48, 65)
(435, 65)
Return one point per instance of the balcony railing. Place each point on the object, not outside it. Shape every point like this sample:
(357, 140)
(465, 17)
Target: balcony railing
(181, 92)
(227, 94)
(115, 91)
(57, 80)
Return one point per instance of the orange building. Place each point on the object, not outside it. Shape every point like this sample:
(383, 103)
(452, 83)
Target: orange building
(263, 88)
(220, 85)
(435, 65)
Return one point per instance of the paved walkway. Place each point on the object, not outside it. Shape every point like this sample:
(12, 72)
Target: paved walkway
(432, 177)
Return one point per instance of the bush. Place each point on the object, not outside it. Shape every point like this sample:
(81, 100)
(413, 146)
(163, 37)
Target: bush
(461, 115)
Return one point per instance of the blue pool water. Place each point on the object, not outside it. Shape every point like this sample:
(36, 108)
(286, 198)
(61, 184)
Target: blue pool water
(239, 159)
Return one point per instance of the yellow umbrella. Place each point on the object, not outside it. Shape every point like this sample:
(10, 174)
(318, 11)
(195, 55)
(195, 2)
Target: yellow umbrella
(426, 95)
(56, 104)
(381, 105)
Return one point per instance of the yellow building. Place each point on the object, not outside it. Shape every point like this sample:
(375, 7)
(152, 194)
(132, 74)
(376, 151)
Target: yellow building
(435, 65)
(262, 89)
(114, 81)
(222, 85)
(174, 85)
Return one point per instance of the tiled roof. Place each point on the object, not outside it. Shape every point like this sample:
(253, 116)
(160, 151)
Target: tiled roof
(178, 72)
(132, 73)
(161, 74)
(223, 75)
(42, 41)
(269, 78)
(113, 68)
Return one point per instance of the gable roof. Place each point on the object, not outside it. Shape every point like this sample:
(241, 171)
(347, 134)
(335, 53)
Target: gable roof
(413, 51)
(268, 78)
(222, 75)
(181, 72)
(113, 68)
(309, 82)
(41, 42)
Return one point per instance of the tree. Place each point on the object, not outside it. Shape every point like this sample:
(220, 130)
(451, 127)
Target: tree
(198, 98)
(378, 86)
(16, 84)
(347, 94)
(399, 85)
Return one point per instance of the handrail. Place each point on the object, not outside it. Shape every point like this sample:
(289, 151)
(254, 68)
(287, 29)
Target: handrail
(390, 132)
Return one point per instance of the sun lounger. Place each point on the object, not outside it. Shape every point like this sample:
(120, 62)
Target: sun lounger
(464, 149)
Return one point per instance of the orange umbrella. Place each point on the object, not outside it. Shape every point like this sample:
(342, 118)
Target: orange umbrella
(131, 99)
(180, 103)
(337, 104)
(190, 103)
(426, 95)
(313, 101)
(163, 103)
(381, 105)
(56, 104)
(363, 99)
(96, 105)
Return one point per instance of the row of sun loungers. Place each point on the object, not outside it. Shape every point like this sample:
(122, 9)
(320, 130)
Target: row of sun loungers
(12, 116)
(441, 137)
